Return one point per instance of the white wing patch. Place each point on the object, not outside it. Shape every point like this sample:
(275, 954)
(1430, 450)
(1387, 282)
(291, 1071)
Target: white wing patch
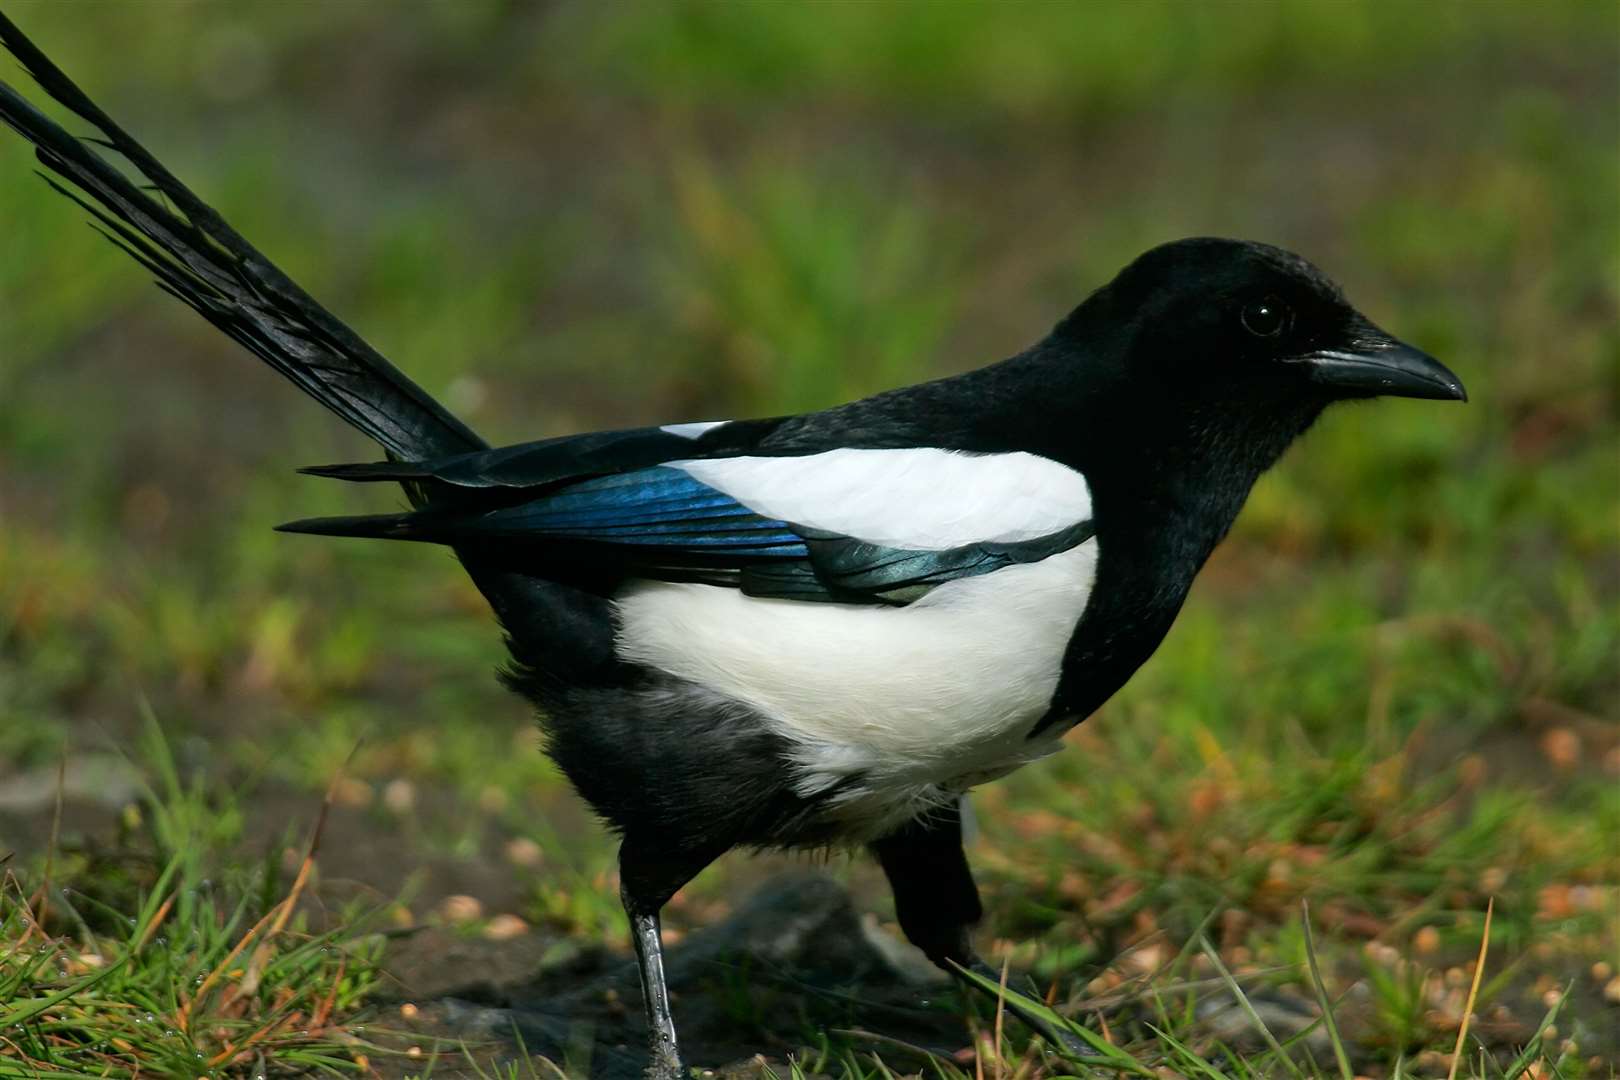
(916, 702)
(922, 499)
(694, 430)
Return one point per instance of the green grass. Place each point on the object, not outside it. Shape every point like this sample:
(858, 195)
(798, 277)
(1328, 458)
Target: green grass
(171, 958)
(1392, 694)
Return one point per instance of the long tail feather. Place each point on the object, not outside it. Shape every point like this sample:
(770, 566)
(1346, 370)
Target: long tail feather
(199, 258)
(374, 526)
(371, 471)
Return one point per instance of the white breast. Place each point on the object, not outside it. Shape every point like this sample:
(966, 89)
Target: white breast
(918, 701)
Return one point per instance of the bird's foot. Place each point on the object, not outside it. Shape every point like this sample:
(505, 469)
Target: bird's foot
(1040, 1019)
(664, 1066)
(663, 1053)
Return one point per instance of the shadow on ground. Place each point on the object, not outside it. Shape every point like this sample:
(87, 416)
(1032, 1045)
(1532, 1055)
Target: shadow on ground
(793, 969)
(796, 960)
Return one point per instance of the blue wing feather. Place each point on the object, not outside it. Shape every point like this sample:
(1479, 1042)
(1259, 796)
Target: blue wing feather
(660, 522)
(657, 507)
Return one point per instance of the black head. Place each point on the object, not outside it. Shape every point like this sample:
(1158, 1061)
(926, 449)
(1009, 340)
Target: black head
(1235, 321)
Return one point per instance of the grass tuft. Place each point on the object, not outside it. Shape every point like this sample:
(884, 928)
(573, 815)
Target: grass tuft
(165, 983)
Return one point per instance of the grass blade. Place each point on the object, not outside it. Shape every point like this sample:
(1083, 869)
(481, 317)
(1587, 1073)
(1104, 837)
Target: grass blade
(1532, 1049)
(1248, 1008)
(1322, 995)
(20, 1014)
(1114, 1056)
(1473, 990)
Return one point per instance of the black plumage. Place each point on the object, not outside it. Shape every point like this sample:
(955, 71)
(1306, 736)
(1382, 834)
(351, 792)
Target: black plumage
(1086, 480)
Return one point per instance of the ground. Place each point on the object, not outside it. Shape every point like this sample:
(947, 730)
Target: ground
(1394, 695)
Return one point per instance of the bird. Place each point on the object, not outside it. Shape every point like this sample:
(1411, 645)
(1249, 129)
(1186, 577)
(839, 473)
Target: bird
(822, 630)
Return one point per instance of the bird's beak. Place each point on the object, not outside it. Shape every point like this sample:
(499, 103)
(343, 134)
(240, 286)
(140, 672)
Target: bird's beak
(1374, 364)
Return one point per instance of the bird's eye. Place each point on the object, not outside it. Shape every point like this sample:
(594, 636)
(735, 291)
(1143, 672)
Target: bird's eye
(1266, 318)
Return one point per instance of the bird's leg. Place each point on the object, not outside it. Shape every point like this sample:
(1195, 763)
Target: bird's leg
(664, 1054)
(934, 894)
(648, 876)
(938, 907)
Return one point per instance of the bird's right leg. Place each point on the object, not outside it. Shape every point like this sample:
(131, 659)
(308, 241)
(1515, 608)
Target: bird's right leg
(938, 906)
(649, 874)
(935, 898)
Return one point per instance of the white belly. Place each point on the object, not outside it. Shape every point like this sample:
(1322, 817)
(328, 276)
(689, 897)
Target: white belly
(918, 702)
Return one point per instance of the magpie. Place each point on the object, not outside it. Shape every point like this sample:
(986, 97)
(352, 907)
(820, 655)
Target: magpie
(821, 630)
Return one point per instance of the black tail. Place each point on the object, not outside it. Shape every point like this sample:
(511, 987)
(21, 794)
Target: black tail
(369, 526)
(203, 261)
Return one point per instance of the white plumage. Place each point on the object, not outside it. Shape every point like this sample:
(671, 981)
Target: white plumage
(922, 499)
(694, 430)
(921, 701)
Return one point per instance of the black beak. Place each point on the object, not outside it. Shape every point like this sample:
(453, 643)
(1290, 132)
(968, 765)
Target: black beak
(1374, 364)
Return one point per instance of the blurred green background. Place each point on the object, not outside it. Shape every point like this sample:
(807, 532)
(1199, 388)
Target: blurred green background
(1395, 690)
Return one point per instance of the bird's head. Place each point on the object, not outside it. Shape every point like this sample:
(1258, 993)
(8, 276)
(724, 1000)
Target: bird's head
(1239, 322)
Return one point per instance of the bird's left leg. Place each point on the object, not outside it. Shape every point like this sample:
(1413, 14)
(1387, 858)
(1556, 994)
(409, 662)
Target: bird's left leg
(938, 906)
(649, 874)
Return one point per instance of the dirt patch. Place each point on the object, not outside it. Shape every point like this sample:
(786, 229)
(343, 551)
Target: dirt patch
(795, 960)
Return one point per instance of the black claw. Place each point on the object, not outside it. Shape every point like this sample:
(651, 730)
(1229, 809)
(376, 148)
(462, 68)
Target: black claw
(1070, 1043)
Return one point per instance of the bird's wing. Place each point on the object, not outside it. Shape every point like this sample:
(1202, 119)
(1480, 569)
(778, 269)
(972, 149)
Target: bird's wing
(844, 525)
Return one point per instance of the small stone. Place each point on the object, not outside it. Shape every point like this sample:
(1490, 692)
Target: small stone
(1611, 989)
(521, 851)
(1601, 971)
(352, 791)
(461, 909)
(1148, 958)
(408, 1011)
(505, 927)
(399, 796)
(1562, 747)
(1380, 953)
(1426, 940)
(1434, 1061)
(1553, 902)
